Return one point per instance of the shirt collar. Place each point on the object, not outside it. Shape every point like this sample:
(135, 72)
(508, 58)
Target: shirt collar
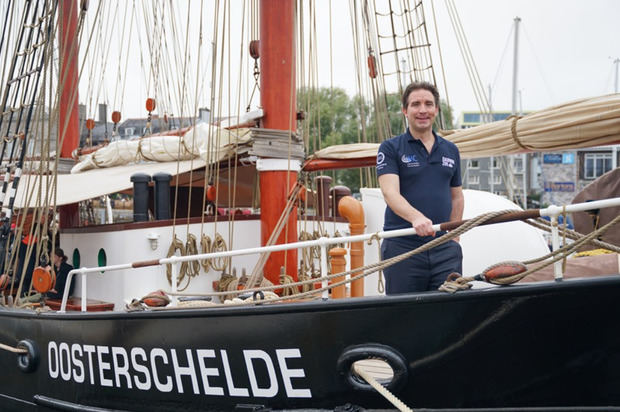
(438, 139)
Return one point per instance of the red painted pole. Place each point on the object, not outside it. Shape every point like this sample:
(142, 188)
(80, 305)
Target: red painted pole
(278, 99)
(68, 123)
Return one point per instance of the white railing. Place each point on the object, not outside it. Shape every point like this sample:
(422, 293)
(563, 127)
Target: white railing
(552, 211)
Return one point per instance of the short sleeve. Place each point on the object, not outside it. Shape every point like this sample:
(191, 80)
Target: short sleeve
(387, 159)
(456, 177)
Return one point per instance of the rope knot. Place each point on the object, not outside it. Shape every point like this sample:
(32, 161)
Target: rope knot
(455, 282)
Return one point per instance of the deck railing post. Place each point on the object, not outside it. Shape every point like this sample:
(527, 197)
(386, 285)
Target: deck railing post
(84, 290)
(555, 243)
(324, 283)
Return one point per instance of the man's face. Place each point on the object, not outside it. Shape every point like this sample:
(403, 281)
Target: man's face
(421, 110)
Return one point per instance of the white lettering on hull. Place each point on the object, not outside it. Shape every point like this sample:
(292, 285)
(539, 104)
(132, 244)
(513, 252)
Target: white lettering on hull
(208, 372)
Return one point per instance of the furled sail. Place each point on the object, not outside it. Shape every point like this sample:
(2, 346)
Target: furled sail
(582, 123)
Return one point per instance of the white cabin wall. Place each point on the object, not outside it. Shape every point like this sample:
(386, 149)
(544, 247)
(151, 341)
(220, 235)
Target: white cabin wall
(127, 246)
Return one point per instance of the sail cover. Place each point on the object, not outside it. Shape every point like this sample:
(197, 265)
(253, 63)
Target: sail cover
(33, 189)
(582, 123)
(210, 143)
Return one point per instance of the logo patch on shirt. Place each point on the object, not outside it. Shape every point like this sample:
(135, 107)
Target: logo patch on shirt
(380, 158)
(446, 161)
(410, 160)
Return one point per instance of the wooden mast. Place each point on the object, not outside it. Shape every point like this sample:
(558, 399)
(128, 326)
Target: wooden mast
(68, 123)
(278, 99)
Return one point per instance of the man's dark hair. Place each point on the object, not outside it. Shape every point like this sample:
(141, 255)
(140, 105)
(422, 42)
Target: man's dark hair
(417, 86)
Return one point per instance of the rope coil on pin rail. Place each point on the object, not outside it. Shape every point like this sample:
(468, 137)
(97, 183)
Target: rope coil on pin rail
(176, 245)
(205, 247)
(191, 248)
(219, 245)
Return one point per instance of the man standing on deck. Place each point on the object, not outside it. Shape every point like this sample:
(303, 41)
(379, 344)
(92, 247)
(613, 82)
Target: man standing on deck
(420, 177)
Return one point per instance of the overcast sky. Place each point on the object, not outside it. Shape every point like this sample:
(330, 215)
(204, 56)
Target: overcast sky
(566, 50)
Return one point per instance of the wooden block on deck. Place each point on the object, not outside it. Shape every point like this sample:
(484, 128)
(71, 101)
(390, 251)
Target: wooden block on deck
(75, 304)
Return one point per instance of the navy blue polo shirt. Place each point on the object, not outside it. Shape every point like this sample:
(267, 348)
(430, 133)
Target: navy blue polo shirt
(425, 179)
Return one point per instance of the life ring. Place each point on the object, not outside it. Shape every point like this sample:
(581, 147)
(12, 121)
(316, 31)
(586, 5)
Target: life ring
(28, 362)
(373, 351)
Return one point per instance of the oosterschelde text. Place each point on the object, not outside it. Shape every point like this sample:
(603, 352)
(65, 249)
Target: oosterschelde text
(167, 370)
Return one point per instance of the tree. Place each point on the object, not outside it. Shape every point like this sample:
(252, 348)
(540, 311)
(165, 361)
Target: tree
(333, 118)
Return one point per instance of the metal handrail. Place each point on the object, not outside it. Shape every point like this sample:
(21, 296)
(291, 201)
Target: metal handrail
(552, 211)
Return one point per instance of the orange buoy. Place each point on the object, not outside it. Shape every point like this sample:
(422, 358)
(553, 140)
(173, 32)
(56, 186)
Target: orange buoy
(503, 270)
(116, 117)
(211, 193)
(372, 66)
(150, 104)
(43, 279)
(90, 124)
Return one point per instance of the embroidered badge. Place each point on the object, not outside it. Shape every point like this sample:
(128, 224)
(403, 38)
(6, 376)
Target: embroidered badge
(446, 161)
(410, 160)
(380, 158)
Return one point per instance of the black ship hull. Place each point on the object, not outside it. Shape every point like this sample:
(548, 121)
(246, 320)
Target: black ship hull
(538, 345)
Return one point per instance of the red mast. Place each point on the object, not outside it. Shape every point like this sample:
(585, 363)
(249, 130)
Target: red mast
(68, 123)
(279, 102)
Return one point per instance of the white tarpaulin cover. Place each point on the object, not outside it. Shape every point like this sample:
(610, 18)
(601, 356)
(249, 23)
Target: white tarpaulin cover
(76, 187)
(209, 142)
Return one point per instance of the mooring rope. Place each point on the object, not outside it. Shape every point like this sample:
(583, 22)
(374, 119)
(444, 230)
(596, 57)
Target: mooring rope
(400, 405)
(13, 349)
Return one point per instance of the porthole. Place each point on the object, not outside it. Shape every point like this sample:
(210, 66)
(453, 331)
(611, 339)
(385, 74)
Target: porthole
(76, 258)
(102, 259)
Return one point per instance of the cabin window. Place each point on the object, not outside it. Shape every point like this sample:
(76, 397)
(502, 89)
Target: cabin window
(596, 164)
(495, 163)
(497, 179)
(130, 131)
(474, 164)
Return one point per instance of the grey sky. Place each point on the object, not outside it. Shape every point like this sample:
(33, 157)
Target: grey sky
(565, 50)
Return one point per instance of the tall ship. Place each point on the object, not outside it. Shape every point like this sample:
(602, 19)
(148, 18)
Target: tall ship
(211, 252)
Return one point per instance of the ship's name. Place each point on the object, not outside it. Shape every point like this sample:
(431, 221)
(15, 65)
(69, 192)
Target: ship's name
(255, 373)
